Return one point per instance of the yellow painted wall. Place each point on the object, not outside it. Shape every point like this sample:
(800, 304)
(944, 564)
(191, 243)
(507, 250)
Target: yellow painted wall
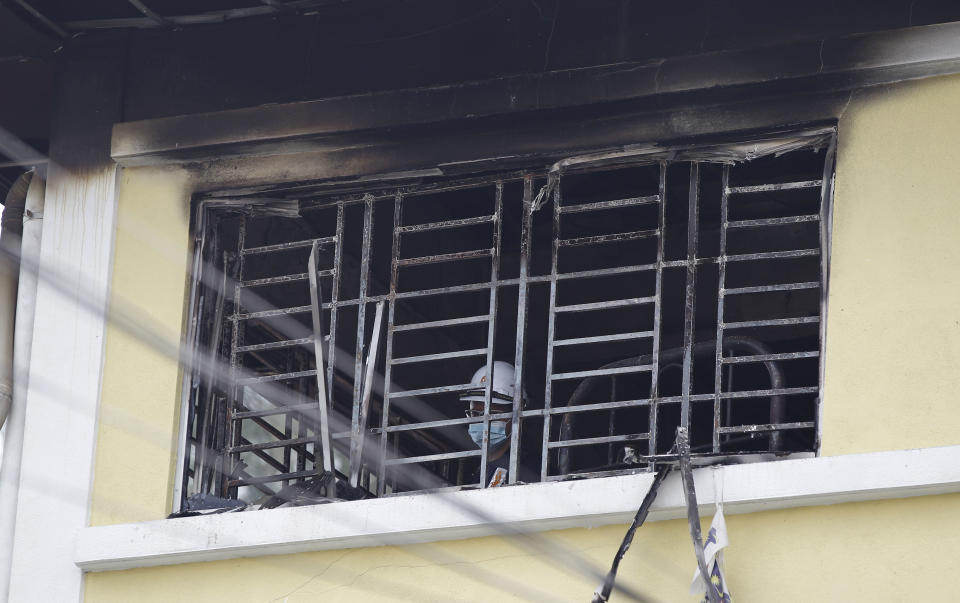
(893, 330)
(139, 405)
(878, 552)
(891, 382)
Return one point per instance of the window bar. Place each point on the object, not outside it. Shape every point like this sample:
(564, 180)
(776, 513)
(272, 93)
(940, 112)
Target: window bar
(655, 373)
(526, 244)
(387, 382)
(612, 422)
(204, 477)
(826, 224)
(721, 293)
(334, 304)
(491, 330)
(322, 437)
(362, 312)
(231, 460)
(551, 326)
(287, 431)
(690, 302)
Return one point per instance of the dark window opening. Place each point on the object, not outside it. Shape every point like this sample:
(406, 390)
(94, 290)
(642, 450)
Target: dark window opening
(630, 298)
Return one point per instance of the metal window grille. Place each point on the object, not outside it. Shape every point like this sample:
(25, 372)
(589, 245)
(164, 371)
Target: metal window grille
(633, 294)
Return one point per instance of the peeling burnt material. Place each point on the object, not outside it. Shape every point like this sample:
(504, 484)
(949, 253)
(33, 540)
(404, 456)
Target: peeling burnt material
(693, 514)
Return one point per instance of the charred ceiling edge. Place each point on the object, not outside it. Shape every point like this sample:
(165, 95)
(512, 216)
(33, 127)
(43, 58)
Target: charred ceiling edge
(814, 66)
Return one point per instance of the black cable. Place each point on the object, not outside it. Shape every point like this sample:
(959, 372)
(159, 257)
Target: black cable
(639, 518)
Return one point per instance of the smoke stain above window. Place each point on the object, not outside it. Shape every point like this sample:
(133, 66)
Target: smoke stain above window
(574, 316)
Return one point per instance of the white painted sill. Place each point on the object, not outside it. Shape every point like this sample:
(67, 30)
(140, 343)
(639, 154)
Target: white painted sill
(556, 505)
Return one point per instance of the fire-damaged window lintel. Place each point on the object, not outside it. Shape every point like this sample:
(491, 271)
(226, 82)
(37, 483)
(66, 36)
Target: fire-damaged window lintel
(555, 322)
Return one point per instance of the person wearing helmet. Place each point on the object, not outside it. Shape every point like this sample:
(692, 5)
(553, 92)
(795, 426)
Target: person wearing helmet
(501, 401)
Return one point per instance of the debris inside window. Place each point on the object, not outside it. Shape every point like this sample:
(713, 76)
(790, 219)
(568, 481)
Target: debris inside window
(511, 327)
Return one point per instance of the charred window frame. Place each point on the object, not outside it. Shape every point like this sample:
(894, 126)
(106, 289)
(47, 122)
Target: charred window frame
(635, 291)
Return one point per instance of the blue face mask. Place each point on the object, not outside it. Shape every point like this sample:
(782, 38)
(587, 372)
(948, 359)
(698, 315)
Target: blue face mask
(498, 433)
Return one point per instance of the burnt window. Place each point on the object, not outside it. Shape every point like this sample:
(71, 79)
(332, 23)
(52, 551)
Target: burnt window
(632, 292)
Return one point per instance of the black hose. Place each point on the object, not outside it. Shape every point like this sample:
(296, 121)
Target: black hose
(730, 344)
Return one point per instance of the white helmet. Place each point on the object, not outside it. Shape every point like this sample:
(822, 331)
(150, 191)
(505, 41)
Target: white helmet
(504, 376)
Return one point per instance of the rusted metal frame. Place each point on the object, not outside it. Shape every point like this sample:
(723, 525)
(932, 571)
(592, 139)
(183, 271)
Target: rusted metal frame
(255, 481)
(633, 437)
(772, 255)
(453, 289)
(765, 393)
(335, 304)
(780, 186)
(774, 221)
(446, 257)
(416, 188)
(657, 311)
(690, 300)
(445, 224)
(366, 244)
(277, 377)
(287, 435)
(300, 409)
(274, 444)
(613, 404)
(265, 457)
(190, 392)
(612, 419)
(433, 324)
(322, 435)
(323, 241)
(427, 391)
(271, 313)
(620, 370)
(236, 387)
(279, 280)
(773, 322)
(826, 241)
(774, 427)
(551, 335)
(604, 338)
(773, 288)
(609, 238)
(693, 513)
(359, 434)
(443, 423)
(387, 380)
(212, 353)
(606, 305)
(615, 203)
(721, 296)
(491, 329)
(410, 460)
(595, 273)
(516, 281)
(769, 357)
(276, 345)
(151, 14)
(443, 356)
(604, 593)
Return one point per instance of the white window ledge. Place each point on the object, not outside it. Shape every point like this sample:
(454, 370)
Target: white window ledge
(556, 505)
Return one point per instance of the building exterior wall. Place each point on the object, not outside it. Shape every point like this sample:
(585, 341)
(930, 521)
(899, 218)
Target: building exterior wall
(893, 339)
